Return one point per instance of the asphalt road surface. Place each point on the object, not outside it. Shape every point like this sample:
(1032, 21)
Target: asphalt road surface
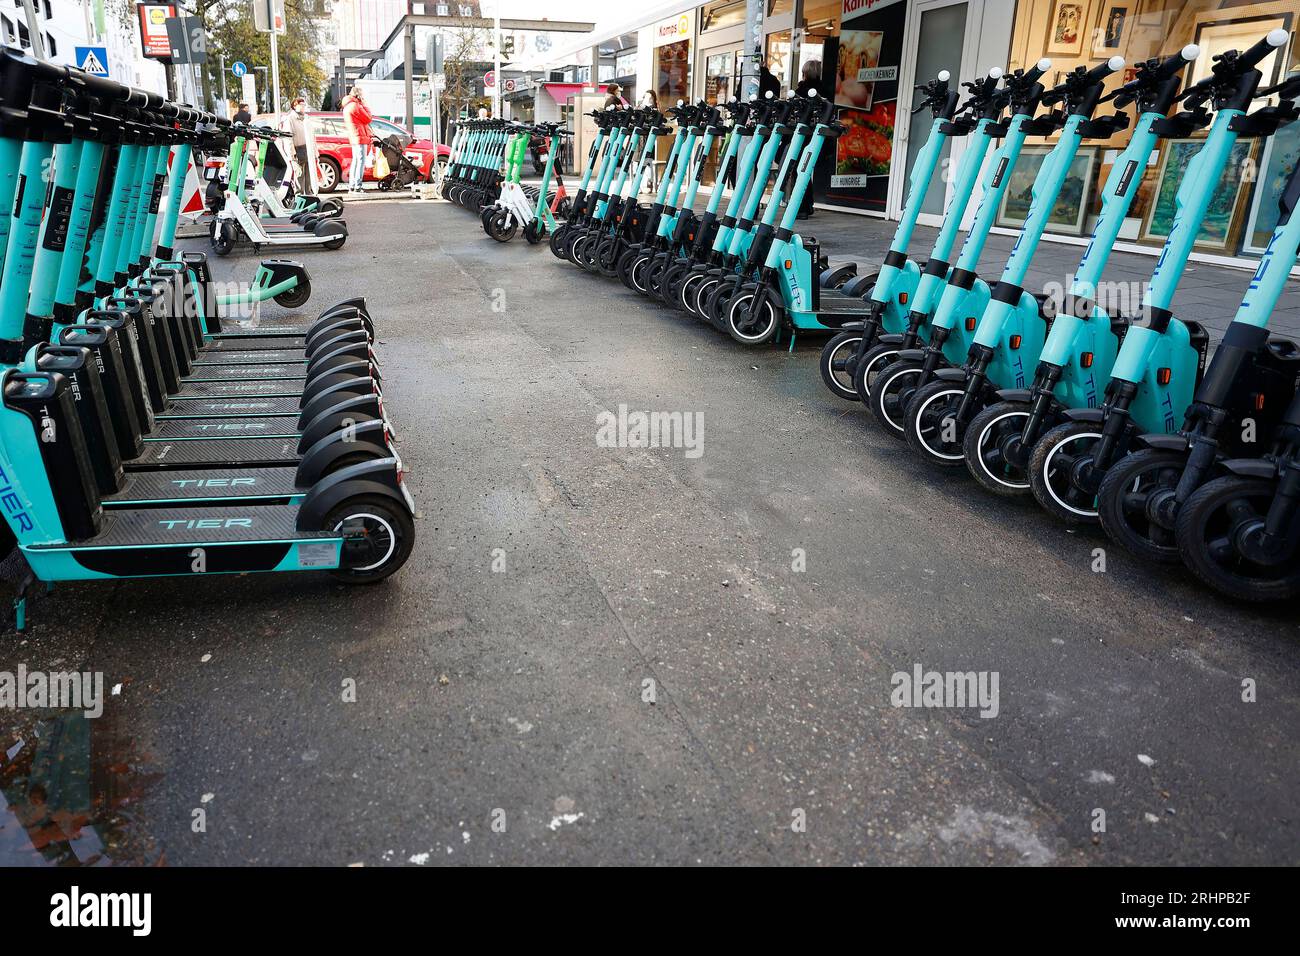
(615, 654)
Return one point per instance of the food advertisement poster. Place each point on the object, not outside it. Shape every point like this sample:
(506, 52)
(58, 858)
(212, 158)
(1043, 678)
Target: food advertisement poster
(866, 90)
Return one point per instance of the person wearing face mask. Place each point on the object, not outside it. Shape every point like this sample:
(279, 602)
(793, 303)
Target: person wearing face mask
(298, 127)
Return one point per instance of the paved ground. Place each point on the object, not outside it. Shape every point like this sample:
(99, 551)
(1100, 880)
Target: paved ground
(646, 677)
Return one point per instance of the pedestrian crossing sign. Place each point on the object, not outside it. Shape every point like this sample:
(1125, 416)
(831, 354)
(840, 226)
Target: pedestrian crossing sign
(93, 60)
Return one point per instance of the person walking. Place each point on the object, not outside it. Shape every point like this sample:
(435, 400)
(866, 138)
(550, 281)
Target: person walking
(298, 127)
(242, 115)
(357, 117)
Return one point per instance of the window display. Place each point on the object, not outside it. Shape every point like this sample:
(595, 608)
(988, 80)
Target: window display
(1086, 32)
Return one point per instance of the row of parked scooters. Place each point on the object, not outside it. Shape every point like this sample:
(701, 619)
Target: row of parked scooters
(248, 208)
(1102, 417)
(140, 435)
(484, 172)
(743, 270)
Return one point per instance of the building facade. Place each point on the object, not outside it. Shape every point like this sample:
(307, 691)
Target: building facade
(870, 54)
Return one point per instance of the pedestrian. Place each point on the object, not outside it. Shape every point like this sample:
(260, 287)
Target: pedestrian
(242, 115)
(298, 127)
(357, 117)
(614, 97)
(484, 113)
(768, 83)
(649, 100)
(811, 79)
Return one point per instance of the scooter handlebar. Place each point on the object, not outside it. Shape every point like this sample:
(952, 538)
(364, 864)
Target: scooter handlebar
(1252, 57)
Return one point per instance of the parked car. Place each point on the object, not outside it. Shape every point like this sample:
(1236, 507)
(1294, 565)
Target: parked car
(336, 155)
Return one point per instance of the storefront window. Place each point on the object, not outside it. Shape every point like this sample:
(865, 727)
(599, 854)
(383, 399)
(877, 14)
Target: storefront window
(719, 76)
(673, 71)
(821, 30)
(778, 57)
(1086, 32)
(716, 16)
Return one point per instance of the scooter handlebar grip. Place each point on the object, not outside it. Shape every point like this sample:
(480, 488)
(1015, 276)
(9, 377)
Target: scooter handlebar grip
(1100, 72)
(1251, 58)
(1037, 71)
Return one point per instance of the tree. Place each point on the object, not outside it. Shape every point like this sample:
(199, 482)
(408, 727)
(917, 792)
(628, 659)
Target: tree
(231, 34)
(466, 45)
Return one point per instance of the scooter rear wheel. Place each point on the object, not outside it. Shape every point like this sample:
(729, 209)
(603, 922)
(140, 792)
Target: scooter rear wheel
(992, 434)
(377, 538)
(1062, 453)
(931, 426)
(1210, 527)
(834, 374)
(1125, 503)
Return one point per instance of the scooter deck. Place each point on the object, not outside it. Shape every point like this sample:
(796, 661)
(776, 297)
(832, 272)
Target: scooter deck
(155, 488)
(835, 302)
(272, 388)
(179, 526)
(248, 357)
(239, 342)
(225, 453)
(183, 406)
(236, 373)
(191, 429)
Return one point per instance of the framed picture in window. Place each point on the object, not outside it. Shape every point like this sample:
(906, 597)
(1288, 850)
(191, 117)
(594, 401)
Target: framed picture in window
(1216, 230)
(1066, 27)
(1111, 32)
(1071, 206)
(1280, 158)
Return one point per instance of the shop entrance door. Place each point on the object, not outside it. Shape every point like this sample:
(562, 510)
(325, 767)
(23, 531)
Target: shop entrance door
(941, 35)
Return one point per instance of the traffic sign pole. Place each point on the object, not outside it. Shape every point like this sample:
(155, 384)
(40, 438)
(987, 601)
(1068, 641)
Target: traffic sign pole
(275, 59)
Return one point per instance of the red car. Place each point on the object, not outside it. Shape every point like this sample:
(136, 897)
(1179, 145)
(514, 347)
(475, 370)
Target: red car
(336, 154)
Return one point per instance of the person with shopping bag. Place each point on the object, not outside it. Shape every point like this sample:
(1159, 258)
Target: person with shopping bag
(356, 117)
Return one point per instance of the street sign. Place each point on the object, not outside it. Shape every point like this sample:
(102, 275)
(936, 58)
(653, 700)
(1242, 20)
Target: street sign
(264, 11)
(433, 54)
(239, 68)
(153, 29)
(509, 84)
(489, 80)
(92, 59)
(187, 39)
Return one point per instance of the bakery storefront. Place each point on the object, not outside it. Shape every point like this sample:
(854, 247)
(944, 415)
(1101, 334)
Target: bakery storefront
(1244, 209)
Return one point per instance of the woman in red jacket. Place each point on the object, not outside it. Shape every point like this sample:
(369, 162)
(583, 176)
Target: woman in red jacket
(356, 117)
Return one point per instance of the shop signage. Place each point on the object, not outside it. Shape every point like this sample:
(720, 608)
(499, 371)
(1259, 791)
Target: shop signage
(675, 29)
(866, 90)
(153, 29)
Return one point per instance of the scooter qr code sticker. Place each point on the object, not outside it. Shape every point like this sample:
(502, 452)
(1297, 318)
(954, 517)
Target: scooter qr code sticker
(322, 555)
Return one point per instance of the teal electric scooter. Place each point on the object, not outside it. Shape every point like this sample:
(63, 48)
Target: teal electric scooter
(1162, 357)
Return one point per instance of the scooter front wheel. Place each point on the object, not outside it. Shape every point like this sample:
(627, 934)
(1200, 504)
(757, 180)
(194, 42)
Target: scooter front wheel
(297, 296)
(1061, 458)
(891, 394)
(559, 240)
(835, 373)
(224, 238)
(931, 426)
(686, 292)
(751, 324)
(992, 446)
(607, 256)
(533, 232)
(1214, 524)
(1135, 502)
(869, 367)
(377, 538)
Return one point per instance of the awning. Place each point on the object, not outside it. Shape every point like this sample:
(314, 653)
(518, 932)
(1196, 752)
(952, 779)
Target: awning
(560, 92)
